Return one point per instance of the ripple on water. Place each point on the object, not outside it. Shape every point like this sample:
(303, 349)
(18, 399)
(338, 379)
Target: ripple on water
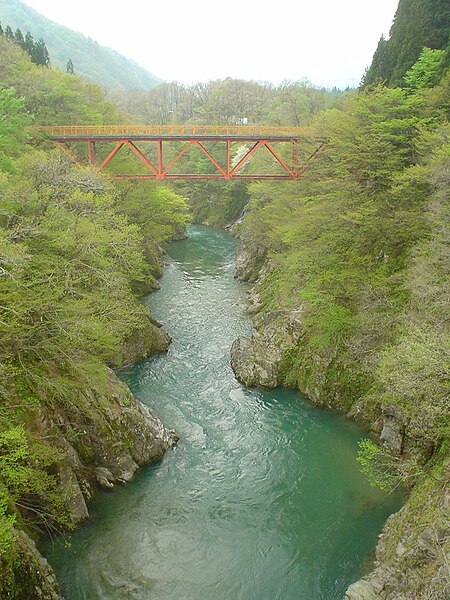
(261, 500)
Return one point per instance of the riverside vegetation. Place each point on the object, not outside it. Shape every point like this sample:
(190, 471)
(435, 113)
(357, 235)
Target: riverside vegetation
(75, 252)
(350, 301)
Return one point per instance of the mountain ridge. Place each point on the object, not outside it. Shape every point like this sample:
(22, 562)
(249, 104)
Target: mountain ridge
(91, 60)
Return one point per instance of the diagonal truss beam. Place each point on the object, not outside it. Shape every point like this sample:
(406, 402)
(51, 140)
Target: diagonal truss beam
(158, 171)
(70, 153)
(211, 158)
(245, 158)
(142, 156)
(279, 159)
(175, 160)
(111, 155)
(311, 159)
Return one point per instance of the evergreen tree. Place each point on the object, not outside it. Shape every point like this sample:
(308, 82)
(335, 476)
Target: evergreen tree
(379, 69)
(417, 24)
(69, 67)
(29, 43)
(9, 33)
(19, 39)
(40, 55)
(1, 29)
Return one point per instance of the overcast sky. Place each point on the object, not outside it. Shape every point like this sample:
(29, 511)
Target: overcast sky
(330, 42)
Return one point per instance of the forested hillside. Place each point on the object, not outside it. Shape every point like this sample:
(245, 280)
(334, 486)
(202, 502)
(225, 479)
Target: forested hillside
(74, 254)
(96, 63)
(417, 24)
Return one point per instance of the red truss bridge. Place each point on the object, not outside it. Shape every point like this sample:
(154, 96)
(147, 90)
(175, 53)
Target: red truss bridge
(160, 147)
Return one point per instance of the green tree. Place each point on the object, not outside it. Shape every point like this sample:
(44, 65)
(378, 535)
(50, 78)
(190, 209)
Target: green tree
(380, 68)
(13, 119)
(39, 54)
(427, 71)
(19, 39)
(29, 43)
(69, 67)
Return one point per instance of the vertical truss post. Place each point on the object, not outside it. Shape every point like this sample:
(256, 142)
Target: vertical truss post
(295, 158)
(92, 152)
(227, 176)
(160, 174)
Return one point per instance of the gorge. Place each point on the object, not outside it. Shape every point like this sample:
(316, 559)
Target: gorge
(262, 496)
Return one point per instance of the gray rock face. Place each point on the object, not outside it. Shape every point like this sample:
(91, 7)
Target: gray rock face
(393, 429)
(370, 588)
(146, 340)
(259, 360)
(105, 435)
(392, 434)
(32, 576)
(250, 257)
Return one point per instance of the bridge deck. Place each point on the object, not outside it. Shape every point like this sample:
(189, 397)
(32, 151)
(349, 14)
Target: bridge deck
(176, 132)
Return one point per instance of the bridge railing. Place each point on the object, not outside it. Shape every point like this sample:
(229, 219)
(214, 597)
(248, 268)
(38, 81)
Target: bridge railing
(177, 130)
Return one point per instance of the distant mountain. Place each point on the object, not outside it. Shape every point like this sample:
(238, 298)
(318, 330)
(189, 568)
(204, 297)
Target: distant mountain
(417, 23)
(95, 62)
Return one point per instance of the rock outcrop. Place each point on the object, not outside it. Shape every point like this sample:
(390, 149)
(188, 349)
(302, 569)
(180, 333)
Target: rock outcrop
(106, 434)
(260, 360)
(250, 257)
(149, 338)
(34, 580)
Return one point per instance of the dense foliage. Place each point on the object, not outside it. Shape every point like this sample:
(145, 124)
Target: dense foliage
(350, 244)
(37, 51)
(74, 251)
(417, 24)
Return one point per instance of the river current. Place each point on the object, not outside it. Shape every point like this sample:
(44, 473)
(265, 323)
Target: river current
(262, 499)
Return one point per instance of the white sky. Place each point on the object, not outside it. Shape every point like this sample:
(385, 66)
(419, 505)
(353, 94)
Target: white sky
(330, 42)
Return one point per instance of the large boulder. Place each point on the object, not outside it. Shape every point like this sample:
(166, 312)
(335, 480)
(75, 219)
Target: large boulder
(262, 359)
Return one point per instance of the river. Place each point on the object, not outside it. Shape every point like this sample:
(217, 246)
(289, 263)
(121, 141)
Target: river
(262, 499)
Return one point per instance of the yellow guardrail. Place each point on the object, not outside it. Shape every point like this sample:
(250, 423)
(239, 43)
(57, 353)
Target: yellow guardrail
(176, 130)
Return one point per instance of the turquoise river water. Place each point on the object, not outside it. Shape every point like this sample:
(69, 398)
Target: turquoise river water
(262, 499)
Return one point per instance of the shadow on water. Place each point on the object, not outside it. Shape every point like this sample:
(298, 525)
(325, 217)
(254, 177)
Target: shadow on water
(262, 498)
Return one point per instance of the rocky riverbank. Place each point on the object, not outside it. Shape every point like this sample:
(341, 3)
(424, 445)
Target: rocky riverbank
(103, 436)
(412, 555)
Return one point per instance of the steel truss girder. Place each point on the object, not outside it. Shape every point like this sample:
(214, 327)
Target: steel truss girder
(160, 171)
